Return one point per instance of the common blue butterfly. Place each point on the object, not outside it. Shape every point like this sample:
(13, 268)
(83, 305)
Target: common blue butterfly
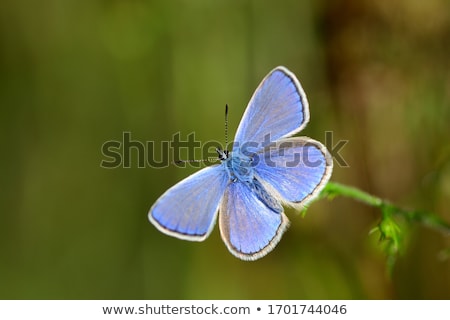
(264, 170)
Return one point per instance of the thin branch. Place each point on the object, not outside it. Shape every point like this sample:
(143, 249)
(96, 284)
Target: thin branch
(390, 232)
(430, 220)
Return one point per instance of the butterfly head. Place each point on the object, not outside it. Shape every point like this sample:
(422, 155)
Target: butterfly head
(223, 154)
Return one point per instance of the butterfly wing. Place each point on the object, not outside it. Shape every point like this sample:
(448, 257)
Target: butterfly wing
(297, 168)
(248, 227)
(278, 106)
(189, 209)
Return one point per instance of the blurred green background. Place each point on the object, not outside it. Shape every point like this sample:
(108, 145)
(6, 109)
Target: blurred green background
(77, 73)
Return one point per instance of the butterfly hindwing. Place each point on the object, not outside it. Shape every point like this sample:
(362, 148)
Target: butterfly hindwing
(249, 228)
(189, 209)
(278, 107)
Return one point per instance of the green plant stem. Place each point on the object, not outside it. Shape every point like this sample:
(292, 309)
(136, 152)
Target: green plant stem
(334, 189)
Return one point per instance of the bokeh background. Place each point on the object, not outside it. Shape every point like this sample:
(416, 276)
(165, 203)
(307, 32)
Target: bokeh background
(77, 73)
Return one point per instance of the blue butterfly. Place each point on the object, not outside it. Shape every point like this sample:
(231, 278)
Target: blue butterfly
(264, 170)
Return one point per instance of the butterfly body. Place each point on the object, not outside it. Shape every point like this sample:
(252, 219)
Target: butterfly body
(240, 169)
(264, 170)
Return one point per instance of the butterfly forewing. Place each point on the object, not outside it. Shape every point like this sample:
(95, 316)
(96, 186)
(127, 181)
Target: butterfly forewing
(189, 209)
(277, 109)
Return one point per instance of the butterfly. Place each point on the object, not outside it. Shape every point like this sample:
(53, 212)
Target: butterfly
(265, 169)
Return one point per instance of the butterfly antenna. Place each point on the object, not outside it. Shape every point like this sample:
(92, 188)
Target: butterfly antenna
(209, 159)
(226, 125)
